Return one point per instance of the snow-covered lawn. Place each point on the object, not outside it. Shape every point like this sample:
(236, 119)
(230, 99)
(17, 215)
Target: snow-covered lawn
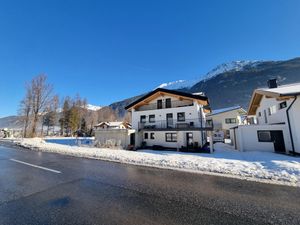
(259, 166)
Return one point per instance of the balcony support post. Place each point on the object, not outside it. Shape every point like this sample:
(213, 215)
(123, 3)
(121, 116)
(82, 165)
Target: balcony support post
(211, 142)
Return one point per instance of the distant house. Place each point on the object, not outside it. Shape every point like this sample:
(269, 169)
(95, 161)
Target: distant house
(170, 119)
(226, 118)
(113, 135)
(276, 109)
(113, 125)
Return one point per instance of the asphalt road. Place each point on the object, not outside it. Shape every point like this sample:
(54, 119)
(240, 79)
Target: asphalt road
(44, 188)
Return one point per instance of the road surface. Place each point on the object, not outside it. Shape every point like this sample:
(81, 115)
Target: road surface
(45, 188)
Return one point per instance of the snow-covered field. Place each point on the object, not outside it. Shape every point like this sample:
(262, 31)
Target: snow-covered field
(257, 166)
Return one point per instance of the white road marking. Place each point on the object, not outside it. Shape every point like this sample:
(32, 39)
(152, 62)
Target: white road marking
(36, 166)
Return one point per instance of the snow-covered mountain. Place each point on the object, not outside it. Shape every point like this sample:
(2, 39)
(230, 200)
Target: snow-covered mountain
(179, 84)
(88, 107)
(222, 68)
(93, 107)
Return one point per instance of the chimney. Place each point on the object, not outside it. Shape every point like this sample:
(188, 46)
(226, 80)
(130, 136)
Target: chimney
(272, 83)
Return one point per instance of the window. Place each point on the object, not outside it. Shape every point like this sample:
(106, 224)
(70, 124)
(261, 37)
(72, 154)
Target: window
(159, 104)
(227, 134)
(259, 114)
(181, 116)
(266, 117)
(209, 123)
(264, 136)
(272, 109)
(143, 119)
(146, 135)
(151, 135)
(282, 105)
(168, 103)
(169, 120)
(151, 118)
(230, 120)
(171, 137)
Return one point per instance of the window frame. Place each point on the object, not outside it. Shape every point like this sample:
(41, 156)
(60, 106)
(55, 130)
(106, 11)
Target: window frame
(168, 103)
(173, 137)
(151, 117)
(152, 137)
(181, 120)
(281, 105)
(159, 104)
(259, 132)
(145, 119)
(146, 136)
(230, 120)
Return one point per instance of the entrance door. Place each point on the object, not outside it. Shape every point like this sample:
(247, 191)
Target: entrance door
(189, 140)
(169, 120)
(132, 139)
(278, 140)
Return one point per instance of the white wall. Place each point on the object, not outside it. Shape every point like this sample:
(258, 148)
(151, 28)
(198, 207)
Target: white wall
(278, 117)
(119, 136)
(247, 140)
(160, 138)
(295, 123)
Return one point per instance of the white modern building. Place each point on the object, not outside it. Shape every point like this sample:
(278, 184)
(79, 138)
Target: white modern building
(225, 119)
(277, 112)
(170, 119)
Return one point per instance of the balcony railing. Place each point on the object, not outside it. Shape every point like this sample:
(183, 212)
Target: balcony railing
(174, 104)
(173, 124)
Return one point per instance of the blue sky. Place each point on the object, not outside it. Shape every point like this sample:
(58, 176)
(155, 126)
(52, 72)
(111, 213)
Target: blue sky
(110, 50)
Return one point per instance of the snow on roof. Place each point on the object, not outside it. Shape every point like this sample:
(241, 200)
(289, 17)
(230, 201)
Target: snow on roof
(115, 124)
(289, 89)
(217, 111)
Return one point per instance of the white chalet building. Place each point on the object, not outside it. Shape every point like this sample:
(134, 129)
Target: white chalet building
(170, 119)
(277, 112)
(224, 119)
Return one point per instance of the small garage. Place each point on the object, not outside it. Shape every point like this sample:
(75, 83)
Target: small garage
(272, 138)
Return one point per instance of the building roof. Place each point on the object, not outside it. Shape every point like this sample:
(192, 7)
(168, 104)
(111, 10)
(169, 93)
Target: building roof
(113, 124)
(160, 91)
(223, 110)
(281, 92)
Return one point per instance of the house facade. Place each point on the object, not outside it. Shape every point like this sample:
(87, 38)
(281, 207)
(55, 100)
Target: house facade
(277, 127)
(170, 119)
(225, 119)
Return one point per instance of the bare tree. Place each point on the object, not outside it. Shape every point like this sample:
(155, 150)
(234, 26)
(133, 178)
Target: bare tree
(25, 110)
(41, 93)
(50, 117)
(106, 114)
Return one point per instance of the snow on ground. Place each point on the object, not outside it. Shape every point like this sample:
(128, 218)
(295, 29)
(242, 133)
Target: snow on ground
(258, 166)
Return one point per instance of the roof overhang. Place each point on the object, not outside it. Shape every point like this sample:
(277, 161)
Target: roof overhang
(160, 92)
(259, 94)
